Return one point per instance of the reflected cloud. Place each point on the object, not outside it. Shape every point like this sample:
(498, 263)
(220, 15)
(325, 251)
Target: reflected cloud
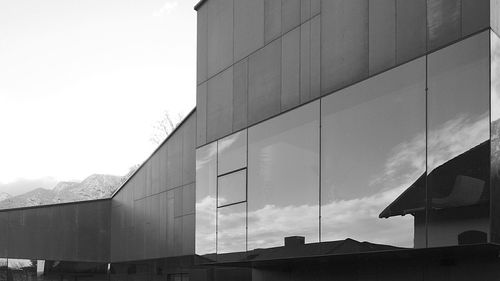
(205, 225)
(455, 137)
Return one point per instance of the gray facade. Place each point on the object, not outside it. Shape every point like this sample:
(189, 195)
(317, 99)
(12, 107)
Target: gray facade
(297, 50)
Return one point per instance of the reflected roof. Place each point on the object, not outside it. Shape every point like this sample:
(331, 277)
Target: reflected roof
(412, 200)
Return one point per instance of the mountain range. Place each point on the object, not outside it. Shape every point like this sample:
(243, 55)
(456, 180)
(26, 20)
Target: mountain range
(96, 186)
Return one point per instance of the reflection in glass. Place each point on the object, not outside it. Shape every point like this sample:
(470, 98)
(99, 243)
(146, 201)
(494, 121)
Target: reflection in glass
(495, 136)
(231, 228)
(232, 188)
(21, 270)
(206, 184)
(373, 155)
(458, 143)
(3, 269)
(232, 152)
(283, 178)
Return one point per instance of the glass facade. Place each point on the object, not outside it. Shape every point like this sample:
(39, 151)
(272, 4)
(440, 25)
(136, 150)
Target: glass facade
(458, 143)
(232, 228)
(372, 153)
(400, 160)
(232, 152)
(232, 188)
(283, 178)
(495, 136)
(206, 197)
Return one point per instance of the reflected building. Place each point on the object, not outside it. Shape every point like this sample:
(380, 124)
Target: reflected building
(331, 139)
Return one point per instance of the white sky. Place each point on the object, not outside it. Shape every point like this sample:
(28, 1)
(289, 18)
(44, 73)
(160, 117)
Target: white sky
(82, 83)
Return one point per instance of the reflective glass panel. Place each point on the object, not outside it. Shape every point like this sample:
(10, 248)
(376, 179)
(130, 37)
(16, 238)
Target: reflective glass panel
(458, 143)
(373, 160)
(232, 188)
(495, 136)
(206, 205)
(232, 152)
(231, 228)
(283, 178)
(21, 270)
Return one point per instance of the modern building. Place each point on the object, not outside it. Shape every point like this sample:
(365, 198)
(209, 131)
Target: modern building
(332, 140)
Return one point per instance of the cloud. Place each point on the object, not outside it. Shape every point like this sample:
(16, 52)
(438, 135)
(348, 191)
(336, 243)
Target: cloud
(166, 9)
(456, 136)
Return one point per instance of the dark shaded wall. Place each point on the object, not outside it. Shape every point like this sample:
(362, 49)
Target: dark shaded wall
(70, 232)
(442, 269)
(152, 215)
(259, 58)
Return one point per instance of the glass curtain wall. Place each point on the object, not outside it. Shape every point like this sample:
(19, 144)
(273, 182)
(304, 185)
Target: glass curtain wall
(495, 136)
(373, 160)
(232, 193)
(283, 178)
(206, 199)
(458, 143)
(400, 160)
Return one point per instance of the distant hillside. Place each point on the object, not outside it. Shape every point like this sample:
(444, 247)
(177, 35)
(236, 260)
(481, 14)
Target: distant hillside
(93, 187)
(4, 196)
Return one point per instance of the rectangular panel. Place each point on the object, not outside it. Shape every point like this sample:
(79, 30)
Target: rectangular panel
(220, 105)
(344, 43)
(232, 188)
(220, 35)
(202, 41)
(315, 7)
(171, 224)
(444, 22)
(315, 49)
(283, 178)
(305, 10)
(382, 35)
(155, 172)
(189, 150)
(232, 152)
(459, 143)
(206, 204)
(188, 228)
(178, 202)
(174, 160)
(188, 199)
(248, 27)
(290, 70)
(178, 236)
(305, 62)
(475, 14)
(149, 177)
(372, 172)
(201, 114)
(240, 94)
(232, 228)
(290, 14)
(163, 166)
(264, 84)
(495, 137)
(411, 29)
(272, 20)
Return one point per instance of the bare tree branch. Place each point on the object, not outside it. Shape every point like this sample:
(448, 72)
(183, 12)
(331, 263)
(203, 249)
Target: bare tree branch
(164, 127)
